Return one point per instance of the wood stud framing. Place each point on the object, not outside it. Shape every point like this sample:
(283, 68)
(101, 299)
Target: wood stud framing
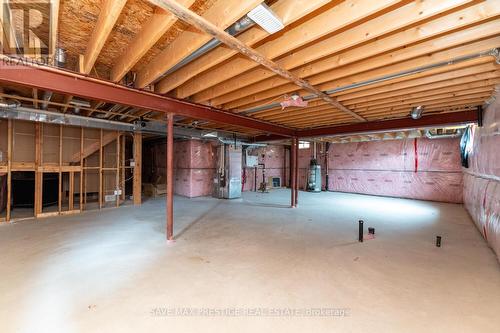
(66, 170)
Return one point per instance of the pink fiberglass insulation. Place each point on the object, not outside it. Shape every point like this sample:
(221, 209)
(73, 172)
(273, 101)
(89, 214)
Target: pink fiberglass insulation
(412, 168)
(434, 186)
(194, 168)
(482, 178)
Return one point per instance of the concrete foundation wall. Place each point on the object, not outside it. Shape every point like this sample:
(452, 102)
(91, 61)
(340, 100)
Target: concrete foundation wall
(481, 179)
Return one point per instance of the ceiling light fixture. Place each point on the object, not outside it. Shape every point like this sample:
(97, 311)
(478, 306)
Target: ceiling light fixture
(266, 18)
(416, 112)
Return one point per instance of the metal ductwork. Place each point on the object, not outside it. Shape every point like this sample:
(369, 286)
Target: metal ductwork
(29, 114)
(60, 57)
(430, 135)
(13, 110)
(489, 53)
(9, 105)
(46, 98)
(240, 143)
(235, 29)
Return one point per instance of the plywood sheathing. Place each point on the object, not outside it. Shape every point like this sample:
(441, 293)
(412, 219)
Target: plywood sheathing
(78, 18)
(199, 7)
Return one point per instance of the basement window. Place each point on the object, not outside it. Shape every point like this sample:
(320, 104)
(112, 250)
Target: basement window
(304, 144)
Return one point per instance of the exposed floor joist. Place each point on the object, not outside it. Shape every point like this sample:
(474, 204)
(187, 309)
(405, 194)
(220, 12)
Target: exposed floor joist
(235, 44)
(223, 13)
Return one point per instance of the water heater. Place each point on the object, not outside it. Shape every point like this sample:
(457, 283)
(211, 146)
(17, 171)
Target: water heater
(314, 179)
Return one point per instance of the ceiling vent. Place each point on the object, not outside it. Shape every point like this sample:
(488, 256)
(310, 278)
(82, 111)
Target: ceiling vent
(266, 18)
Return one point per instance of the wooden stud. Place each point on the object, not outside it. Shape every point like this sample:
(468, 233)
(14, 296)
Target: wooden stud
(35, 98)
(71, 190)
(110, 11)
(9, 167)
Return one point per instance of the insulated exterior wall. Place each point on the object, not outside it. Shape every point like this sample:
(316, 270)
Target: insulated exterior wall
(481, 179)
(420, 168)
(194, 166)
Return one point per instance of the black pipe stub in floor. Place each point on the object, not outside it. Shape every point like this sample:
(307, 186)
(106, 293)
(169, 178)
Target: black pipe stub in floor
(438, 241)
(371, 231)
(360, 231)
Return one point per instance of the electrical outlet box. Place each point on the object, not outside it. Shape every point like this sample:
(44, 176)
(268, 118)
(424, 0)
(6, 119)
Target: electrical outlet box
(109, 198)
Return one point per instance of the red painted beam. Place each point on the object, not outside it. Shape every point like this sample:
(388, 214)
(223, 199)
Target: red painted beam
(74, 84)
(452, 118)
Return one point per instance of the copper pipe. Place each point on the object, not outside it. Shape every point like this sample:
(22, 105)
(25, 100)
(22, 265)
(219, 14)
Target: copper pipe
(170, 177)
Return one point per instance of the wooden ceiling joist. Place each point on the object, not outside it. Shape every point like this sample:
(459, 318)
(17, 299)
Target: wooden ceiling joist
(288, 10)
(235, 44)
(223, 13)
(110, 11)
(54, 29)
(451, 72)
(346, 14)
(375, 28)
(401, 111)
(424, 92)
(312, 114)
(150, 34)
(371, 56)
(438, 87)
(407, 94)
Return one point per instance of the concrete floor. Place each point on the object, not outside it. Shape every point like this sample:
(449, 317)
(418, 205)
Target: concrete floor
(112, 271)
